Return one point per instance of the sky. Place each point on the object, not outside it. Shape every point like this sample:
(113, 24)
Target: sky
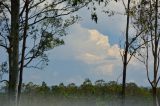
(91, 51)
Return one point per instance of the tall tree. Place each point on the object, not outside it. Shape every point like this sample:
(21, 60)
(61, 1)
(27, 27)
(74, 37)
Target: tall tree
(130, 45)
(125, 55)
(35, 27)
(14, 52)
(147, 17)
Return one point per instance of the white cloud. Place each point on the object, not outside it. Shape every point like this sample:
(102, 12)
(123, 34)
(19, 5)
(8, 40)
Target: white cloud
(100, 40)
(104, 69)
(102, 59)
(89, 58)
(94, 49)
(89, 54)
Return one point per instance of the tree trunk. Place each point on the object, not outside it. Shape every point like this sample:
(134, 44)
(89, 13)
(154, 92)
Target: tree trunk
(23, 52)
(156, 56)
(124, 84)
(20, 86)
(154, 93)
(14, 53)
(125, 58)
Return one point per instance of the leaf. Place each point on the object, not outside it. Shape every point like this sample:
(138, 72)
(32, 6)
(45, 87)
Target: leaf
(94, 17)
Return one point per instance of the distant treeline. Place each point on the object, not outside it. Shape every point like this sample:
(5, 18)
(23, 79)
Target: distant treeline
(100, 93)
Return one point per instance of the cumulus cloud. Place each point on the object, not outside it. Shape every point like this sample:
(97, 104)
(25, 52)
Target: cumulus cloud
(102, 59)
(94, 49)
(88, 53)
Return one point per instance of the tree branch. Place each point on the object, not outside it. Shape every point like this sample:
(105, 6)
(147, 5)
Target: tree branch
(4, 81)
(4, 46)
(6, 6)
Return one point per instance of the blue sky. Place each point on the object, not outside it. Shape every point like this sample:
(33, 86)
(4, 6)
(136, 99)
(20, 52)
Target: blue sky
(91, 51)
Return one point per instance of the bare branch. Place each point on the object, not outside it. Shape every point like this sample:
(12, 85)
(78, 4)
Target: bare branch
(33, 67)
(4, 81)
(45, 17)
(6, 6)
(158, 81)
(21, 13)
(122, 55)
(4, 46)
(119, 77)
(5, 39)
(142, 61)
(6, 23)
(124, 5)
(133, 39)
(131, 55)
(158, 60)
(35, 5)
(147, 67)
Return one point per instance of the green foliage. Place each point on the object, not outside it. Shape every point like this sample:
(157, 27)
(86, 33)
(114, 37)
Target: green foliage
(94, 17)
(48, 41)
(99, 94)
(46, 22)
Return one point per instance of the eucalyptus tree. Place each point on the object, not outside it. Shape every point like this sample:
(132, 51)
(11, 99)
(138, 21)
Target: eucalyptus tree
(125, 54)
(29, 28)
(147, 18)
(131, 42)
